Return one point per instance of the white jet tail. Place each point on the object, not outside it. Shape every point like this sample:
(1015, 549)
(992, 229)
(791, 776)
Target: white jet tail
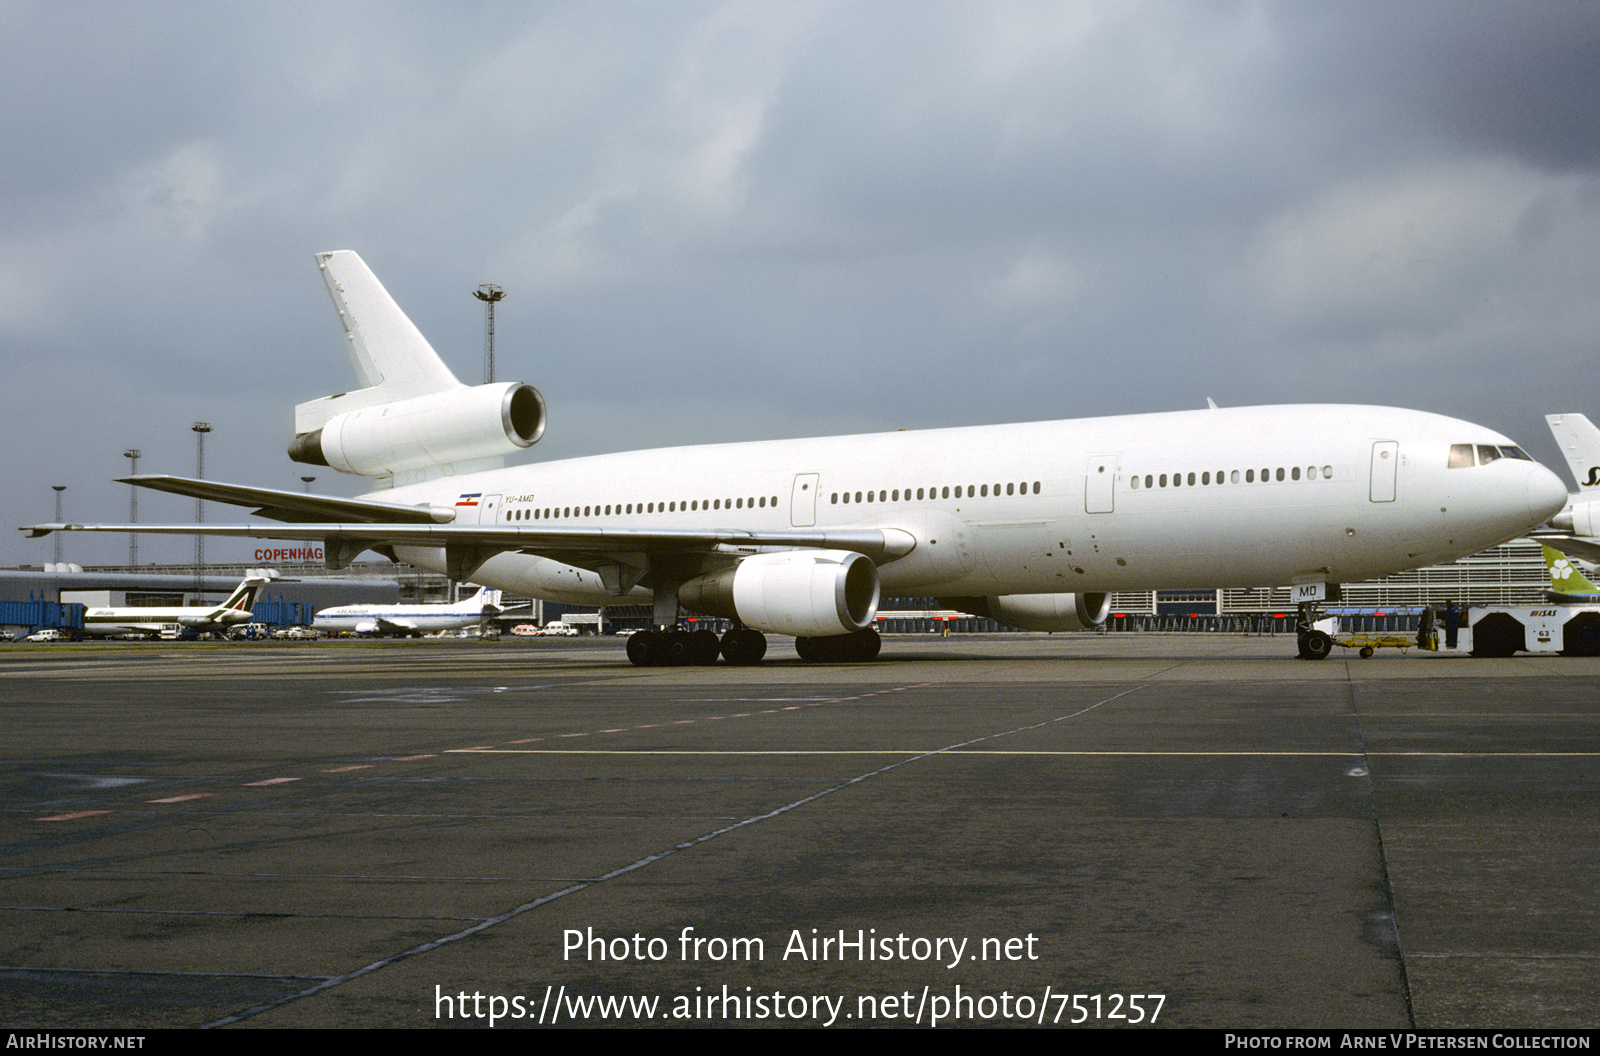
(1579, 441)
(486, 598)
(411, 420)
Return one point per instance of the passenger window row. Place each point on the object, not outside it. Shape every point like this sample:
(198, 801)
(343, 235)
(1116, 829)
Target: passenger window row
(1461, 454)
(970, 491)
(1229, 476)
(549, 513)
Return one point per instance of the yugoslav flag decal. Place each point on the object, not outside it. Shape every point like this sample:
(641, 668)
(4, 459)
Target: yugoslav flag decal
(469, 500)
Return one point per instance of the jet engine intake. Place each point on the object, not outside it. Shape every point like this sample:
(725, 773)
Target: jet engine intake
(1038, 612)
(806, 593)
(483, 421)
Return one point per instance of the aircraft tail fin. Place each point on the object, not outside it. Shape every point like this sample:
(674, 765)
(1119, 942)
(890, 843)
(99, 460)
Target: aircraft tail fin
(412, 420)
(1566, 581)
(391, 358)
(243, 598)
(1579, 441)
(485, 598)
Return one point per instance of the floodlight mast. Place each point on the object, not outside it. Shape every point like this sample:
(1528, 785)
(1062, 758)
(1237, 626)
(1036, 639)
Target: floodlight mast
(133, 454)
(200, 431)
(489, 294)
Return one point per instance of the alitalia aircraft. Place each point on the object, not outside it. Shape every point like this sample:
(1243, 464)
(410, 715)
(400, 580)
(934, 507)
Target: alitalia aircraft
(217, 618)
(411, 620)
(1031, 524)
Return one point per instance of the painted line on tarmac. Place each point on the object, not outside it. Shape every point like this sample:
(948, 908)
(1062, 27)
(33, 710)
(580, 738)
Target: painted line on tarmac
(1022, 751)
(648, 860)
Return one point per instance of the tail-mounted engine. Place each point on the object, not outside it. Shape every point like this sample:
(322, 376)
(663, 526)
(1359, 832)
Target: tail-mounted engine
(459, 426)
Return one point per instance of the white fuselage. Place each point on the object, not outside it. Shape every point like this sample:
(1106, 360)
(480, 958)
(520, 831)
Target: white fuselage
(100, 623)
(399, 619)
(1256, 496)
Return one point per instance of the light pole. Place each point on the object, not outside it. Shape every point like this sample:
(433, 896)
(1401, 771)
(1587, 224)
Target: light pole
(489, 294)
(59, 488)
(200, 431)
(308, 481)
(133, 508)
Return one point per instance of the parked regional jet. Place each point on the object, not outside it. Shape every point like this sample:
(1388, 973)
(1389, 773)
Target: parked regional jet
(1032, 524)
(1578, 525)
(216, 619)
(411, 620)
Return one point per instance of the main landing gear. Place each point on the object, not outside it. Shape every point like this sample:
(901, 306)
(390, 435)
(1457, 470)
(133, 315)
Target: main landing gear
(857, 647)
(680, 648)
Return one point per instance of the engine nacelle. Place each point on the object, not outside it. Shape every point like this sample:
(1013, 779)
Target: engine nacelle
(806, 593)
(1038, 612)
(1580, 518)
(464, 424)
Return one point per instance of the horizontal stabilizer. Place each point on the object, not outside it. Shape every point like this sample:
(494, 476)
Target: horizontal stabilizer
(294, 506)
(1586, 549)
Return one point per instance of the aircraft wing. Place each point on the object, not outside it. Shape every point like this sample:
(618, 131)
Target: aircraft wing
(294, 506)
(467, 546)
(388, 626)
(1587, 549)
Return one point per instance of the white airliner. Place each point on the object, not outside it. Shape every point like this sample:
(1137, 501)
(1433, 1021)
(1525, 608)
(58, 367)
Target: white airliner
(217, 618)
(1032, 524)
(1578, 525)
(412, 620)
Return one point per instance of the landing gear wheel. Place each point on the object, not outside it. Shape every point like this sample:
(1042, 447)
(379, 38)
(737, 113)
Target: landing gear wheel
(677, 648)
(856, 647)
(863, 645)
(645, 648)
(1316, 645)
(703, 648)
(744, 647)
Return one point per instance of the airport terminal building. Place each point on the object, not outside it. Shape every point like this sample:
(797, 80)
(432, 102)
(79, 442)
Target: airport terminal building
(1511, 574)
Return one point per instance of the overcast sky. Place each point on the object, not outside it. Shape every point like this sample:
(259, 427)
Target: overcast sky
(742, 220)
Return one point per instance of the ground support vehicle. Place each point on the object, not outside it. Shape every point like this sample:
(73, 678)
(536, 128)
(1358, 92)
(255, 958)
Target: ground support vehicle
(1501, 630)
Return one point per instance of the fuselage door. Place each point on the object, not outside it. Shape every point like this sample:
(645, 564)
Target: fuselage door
(803, 501)
(1100, 484)
(1385, 466)
(489, 509)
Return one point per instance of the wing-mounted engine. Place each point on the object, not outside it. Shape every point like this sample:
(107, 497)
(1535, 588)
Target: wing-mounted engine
(1581, 517)
(460, 427)
(806, 593)
(1038, 612)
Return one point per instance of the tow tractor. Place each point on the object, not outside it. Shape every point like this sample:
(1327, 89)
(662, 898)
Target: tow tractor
(1569, 623)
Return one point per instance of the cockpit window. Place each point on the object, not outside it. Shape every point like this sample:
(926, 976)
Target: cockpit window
(1515, 452)
(1460, 456)
(1487, 453)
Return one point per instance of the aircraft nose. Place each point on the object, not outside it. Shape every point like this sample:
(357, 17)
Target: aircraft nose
(1547, 495)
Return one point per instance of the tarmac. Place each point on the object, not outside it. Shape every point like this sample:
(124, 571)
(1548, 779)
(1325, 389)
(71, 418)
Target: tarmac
(1177, 830)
